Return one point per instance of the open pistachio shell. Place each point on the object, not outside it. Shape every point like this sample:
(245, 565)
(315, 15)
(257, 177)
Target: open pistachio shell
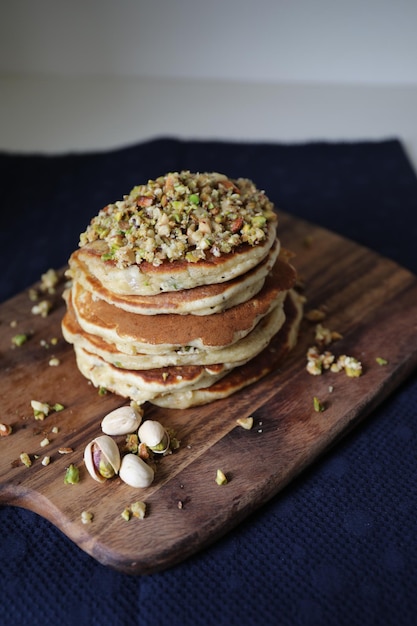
(122, 421)
(102, 458)
(135, 472)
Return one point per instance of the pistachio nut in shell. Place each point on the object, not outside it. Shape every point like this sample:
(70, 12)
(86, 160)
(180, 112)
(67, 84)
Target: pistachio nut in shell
(102, 458)
(154, 435)
(122, 421)
(135, 472)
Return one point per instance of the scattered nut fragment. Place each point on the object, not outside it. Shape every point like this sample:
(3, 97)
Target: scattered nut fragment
(25, 459)
(5, 430)
(138, 509)
(318, 406)
(315, 315)
(49, 281)
(19, 339)
(132, 443)
(72, 475)
(65, 450)
(126, 514)
(325, 336)
(221, 477)
(40, 409)
(54, 362)
(245, 422)
(86, 517)
(46, 460)
(55, 430)
(44, 442)
(42, 308)
(381, 361)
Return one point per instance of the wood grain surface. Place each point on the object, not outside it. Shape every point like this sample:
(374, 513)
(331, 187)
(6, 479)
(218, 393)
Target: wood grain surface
(370, 300)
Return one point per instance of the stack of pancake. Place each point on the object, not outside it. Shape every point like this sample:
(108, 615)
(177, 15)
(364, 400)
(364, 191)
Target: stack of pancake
(180, 293)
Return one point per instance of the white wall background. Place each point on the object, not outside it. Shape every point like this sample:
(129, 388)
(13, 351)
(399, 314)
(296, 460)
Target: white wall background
(91, 74)
(359, 41)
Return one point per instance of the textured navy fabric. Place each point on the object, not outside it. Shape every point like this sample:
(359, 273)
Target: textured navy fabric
(339, 545)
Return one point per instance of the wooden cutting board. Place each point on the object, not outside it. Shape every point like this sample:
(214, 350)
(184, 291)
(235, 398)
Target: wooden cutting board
(370, 300)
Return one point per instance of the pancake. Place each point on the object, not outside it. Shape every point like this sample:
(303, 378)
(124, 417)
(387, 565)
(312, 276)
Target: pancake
(179, 231)
(160, 334)
(251, 372)
(185, 386)
(202, 300)
(144, 385)
(169, 276)
(180, 292)
(235, 354)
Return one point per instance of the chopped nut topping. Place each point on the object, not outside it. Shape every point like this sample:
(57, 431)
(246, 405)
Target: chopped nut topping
(381, 361)
(54, 362)
(182, 216)
(46, 460)
(44, 442)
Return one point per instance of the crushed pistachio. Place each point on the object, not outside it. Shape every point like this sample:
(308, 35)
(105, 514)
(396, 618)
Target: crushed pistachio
(325, 336)
(381, 361)
(72, 475)
(315, 315)
(40, 409)
(25, 459)
(46, 460)
(102, 391)
(245, 422)
(318, 362)
(126, 514)
(49, 281)
(5, 430)
(138, 509)
(45, 442)
(42, 308)
(352, 366)
(19, 339)
(182, 216)
(86, 517)
(318, 406)
(221, 477)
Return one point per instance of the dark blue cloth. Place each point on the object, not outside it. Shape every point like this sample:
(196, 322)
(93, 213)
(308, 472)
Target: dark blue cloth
(339, 545)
